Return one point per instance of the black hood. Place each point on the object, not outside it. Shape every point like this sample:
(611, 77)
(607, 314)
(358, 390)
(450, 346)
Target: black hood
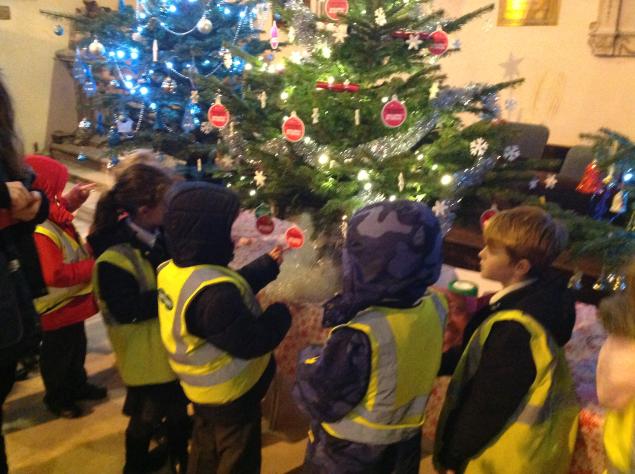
(198, 224)
(550, 303)
(120, 233)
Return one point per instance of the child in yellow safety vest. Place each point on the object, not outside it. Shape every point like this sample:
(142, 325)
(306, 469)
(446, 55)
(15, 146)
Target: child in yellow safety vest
(510, 407)
(67, 268)
(127, 242)
(219, 339)
(615, 381)
(367, 388)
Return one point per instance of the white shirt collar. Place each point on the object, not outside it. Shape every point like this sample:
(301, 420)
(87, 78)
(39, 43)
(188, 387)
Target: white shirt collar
(144, 236)
(508, 289)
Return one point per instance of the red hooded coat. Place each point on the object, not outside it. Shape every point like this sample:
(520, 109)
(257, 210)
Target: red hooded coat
(51, 178)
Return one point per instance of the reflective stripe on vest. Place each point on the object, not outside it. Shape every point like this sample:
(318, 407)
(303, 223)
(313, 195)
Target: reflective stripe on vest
(540, 436)
(207, 373)
(140, 356)
(405, 357)
(72, 252)
(130, 260)
(619, 440)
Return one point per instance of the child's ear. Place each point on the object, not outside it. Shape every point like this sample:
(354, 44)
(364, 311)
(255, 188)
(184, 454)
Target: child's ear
(523, 266)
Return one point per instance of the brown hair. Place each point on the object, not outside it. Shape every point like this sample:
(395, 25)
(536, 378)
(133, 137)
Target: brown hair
(10, 145)
(617, 312)
(140, 184)
(527, 232)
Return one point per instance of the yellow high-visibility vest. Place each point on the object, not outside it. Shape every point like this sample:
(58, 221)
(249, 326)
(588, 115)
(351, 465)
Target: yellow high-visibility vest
(406, 349)
(139, 353)
(72, 252)
(207, 374)
(540, 436)
(619, 440)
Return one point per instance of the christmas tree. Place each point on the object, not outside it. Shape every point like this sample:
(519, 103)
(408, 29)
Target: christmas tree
(150, 71)
(361, 86)
(358, 112)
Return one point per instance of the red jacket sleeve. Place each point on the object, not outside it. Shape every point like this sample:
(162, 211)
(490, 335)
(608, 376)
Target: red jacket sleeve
(5, 218)
(57, 273)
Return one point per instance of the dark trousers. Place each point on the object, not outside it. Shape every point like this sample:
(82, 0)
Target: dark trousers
(7, 379)
(62, 360)
(222, 446)
(149, 412)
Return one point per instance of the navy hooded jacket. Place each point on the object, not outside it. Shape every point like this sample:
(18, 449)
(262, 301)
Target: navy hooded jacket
(197, 227)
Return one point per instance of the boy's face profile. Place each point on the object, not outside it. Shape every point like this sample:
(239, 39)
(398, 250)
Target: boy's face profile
(497, 264)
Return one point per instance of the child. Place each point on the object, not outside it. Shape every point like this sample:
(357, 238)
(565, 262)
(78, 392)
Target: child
(67, 268)
(128, 247)
(615, 382)
(218, 341)
(366, 390)
(510, 406)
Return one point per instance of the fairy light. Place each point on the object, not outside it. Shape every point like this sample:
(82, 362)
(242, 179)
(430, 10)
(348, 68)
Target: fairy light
(323, 159)
(446, 179)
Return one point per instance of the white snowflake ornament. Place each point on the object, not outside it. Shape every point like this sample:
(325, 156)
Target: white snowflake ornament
(260, 178)
(440, 208)
(414, 42)
(380, 17)
(511, 153)
(478, 147)
(551, 181)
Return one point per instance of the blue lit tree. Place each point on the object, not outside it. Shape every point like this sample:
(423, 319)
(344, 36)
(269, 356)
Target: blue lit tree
(152, 71)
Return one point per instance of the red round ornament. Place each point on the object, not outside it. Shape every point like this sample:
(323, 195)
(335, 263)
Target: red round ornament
(439, 43)
(394, 113)
(218, 115)
(295, 237)
(334, 9)
(265, 225)
(293, 128)
(487, 215)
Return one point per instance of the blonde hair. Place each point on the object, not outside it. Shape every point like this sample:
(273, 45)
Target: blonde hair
(617, 312)
(527, 232)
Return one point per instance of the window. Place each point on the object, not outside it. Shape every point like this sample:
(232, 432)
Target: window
(528, 12)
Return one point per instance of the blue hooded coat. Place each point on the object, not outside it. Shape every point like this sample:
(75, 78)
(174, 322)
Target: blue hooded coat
(391, 255)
